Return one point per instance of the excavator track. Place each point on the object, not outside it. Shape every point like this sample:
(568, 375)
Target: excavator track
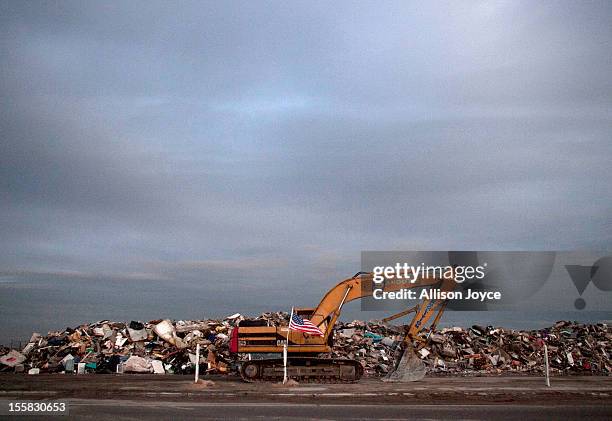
(302, 369)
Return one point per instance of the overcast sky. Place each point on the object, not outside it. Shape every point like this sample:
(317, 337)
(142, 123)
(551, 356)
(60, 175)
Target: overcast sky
(252, 144)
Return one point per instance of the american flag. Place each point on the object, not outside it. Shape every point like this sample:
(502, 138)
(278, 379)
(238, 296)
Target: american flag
(304, 325)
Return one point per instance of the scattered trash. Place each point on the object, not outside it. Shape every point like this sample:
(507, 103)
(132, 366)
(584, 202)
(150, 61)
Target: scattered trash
(164, 346)
(573, 348)
(158, 346)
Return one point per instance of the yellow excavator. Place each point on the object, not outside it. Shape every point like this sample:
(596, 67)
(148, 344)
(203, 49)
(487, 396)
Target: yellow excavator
(303, 350)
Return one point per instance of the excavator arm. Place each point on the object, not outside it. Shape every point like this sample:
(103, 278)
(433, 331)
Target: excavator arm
(258, 339)
(362, 285)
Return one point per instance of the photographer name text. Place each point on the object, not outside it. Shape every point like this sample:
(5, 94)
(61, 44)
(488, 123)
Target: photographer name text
(436, 294)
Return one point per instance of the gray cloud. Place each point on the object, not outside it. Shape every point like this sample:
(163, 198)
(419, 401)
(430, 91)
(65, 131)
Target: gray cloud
(271, 142)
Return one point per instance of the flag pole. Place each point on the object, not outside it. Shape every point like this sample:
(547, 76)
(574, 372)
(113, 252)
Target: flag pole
(285, 348)
(197, 367)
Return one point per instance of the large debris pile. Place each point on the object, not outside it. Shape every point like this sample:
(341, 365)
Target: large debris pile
(164, 346)
(572, 347)
(371, 343)
(159, 346)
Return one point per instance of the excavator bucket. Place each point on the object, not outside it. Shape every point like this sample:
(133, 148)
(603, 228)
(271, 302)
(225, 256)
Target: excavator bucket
(408, 366)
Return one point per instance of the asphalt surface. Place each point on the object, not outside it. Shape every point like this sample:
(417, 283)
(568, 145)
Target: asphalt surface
(127, 410)
(177, 397)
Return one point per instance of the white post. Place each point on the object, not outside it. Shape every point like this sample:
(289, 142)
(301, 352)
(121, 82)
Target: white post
(197, 367)
(546, 365)
(285, 363)
(285, 349)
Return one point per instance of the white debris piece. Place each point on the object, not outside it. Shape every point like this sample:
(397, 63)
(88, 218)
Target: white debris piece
(424, 352)
(13, 358)
(158, 367)
(136, 364)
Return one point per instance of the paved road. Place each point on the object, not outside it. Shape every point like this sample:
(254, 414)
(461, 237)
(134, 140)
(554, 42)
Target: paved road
(126, 397)
(431, 390)
(129, 410)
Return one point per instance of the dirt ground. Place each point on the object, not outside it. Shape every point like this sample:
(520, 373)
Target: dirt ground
(431, 390)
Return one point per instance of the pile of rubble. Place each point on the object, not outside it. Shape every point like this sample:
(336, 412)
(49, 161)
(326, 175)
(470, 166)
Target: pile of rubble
(164, 346)
(572, 348)
(159, 346)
